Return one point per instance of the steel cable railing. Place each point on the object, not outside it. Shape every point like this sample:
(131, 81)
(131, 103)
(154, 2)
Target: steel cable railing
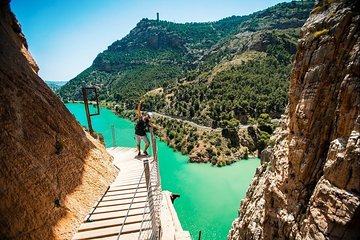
(152, 220)
(156, 173)
(150, 197)
(131, 203)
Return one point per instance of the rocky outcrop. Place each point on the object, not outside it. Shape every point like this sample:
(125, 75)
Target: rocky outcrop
(51, 171)
(310, 186)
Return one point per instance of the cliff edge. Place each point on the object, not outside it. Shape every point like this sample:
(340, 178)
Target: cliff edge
(308, 186)
(51, 171)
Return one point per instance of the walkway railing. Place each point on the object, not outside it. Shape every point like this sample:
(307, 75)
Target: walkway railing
(157, 180)
(150, 224)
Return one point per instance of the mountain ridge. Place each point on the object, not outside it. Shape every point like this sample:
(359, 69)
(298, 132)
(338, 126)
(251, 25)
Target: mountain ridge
(218, 74)
(146, 47)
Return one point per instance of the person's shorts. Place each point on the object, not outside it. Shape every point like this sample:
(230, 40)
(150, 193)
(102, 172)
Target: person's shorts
(144, 138)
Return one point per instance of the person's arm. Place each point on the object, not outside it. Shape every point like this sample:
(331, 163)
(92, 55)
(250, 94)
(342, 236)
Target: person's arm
(154, 126)
(139, 107)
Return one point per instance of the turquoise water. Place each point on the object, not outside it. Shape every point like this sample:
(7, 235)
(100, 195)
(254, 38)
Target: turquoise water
(210, 196)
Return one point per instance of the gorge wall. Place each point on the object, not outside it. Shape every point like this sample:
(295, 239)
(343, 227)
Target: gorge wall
(308, 186)
(51, 171)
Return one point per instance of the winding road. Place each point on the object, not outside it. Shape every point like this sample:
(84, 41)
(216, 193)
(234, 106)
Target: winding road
(187, 121)
(201, 126)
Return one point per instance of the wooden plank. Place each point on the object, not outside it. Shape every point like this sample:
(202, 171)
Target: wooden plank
(126, 192)
(122, 201)
(105, 209)
(126, 187)
(129, 179)
(133, 182)
(111, 222)
(124, 196)
(128, 174)
(113, 193)
(107, 232)
(117, 214)
(130, 236)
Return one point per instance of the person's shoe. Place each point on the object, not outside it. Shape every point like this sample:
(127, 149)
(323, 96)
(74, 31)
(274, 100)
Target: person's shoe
(145, 153)
(139, 154)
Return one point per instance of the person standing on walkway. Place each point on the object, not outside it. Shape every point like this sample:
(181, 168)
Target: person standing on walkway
(142, 123)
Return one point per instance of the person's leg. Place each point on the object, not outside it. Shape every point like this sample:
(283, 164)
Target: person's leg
(137, 137)
(138, 147)
(147, 144)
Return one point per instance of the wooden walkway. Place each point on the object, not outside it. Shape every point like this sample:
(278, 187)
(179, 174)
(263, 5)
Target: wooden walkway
(108, 215)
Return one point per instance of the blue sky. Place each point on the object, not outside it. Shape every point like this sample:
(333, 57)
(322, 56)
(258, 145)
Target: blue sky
(64, 36)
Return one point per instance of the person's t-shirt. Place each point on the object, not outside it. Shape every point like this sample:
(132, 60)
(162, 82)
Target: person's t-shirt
(141, 125)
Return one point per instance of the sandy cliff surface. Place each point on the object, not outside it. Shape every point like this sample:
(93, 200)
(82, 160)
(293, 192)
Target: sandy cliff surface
(308, 186)
(51, 171)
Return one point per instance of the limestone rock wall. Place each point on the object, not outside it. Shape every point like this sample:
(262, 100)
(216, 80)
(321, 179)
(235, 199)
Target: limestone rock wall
(51, 171)
(309, 186)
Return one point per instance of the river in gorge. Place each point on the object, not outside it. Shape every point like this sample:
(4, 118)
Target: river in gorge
(210, 196)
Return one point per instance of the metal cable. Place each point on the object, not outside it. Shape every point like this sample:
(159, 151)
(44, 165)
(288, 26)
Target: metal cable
(132, 201)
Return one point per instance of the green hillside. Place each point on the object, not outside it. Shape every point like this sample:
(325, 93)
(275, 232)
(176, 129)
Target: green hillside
(241, 76)
(216, 74)
(160, 53)
(154, 54)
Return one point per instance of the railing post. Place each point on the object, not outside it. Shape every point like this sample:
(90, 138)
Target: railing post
(113, 135)
(158, 195)
(147, 173)
(150, 198)
(153, 143)
(154, 189)
(87, 108)
(86, 103)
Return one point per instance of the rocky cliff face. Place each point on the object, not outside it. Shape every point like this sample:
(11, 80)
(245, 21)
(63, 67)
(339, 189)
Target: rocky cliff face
(51, 171)
(309, 186)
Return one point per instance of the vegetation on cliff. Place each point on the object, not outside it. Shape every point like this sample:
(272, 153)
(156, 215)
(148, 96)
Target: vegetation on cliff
(219, 147)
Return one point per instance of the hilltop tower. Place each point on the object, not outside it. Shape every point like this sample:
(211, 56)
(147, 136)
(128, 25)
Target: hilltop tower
(157, 17)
